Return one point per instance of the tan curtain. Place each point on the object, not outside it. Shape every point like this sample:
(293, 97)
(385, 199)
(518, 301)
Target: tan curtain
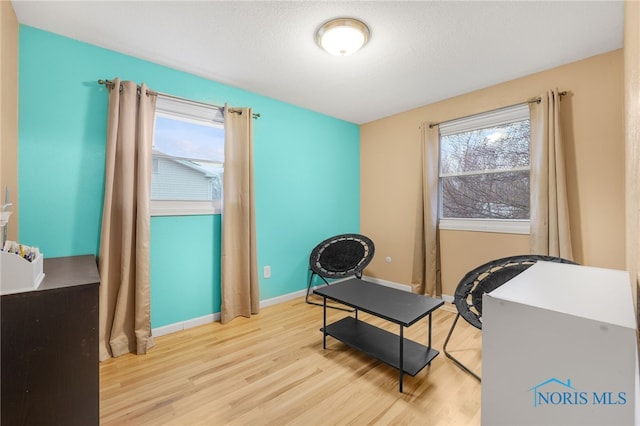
(426, 264)
(125, 320)
(240, 290)
(550, 230)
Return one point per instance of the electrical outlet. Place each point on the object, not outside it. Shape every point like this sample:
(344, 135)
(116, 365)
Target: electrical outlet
(267, 271)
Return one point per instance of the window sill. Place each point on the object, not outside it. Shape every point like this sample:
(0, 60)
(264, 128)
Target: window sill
(486, 225)
(184, 208)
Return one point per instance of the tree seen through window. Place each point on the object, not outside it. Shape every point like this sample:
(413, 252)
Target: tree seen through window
(484, 173)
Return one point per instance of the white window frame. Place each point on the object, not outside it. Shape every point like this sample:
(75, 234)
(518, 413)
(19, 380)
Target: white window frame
(475, 122)
(198, 113)
(184, 208)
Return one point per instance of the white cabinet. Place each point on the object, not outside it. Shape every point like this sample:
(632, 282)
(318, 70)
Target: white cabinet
(559, 347)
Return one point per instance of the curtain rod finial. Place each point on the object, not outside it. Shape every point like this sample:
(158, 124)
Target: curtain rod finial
(107, 83)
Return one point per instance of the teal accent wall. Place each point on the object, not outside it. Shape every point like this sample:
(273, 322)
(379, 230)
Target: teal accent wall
(307, 174)
(185, 267)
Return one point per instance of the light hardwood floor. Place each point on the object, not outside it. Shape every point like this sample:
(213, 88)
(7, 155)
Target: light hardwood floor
(271, 370)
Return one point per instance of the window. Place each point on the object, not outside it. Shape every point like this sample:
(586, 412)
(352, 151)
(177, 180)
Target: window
(187, 159)
(484, 172)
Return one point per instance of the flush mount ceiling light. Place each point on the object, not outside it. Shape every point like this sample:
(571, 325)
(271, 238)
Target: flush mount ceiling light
(342, 36)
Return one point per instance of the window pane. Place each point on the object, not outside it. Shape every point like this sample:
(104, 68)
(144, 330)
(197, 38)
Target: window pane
(503, 195)
(502, 147)
(188, 160)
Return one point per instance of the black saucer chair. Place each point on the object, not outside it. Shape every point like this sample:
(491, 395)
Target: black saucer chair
(338, 257)
(484, 279)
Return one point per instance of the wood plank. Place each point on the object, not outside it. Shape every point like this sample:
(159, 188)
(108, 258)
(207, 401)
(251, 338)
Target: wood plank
(271, 369)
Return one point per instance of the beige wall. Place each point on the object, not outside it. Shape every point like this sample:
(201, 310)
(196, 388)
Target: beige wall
(632, 139)
(462, 251)
(594, 137)
(9, 111)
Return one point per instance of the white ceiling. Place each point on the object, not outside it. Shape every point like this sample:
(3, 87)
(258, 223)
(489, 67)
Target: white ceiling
(420, 51)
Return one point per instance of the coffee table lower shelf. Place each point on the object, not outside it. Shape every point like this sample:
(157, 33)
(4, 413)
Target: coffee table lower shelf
(381, 344)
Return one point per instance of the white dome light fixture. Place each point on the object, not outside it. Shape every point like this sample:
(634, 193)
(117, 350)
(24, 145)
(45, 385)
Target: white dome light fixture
(342, 36)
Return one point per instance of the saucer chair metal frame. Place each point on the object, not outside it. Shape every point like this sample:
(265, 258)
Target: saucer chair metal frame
(484, 279)
(338, 257)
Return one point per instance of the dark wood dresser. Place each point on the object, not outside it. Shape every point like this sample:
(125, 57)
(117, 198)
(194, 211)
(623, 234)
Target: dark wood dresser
(49, 344)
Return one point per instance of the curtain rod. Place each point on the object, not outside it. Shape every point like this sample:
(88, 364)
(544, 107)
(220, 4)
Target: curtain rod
(530, 101)
(110, 85)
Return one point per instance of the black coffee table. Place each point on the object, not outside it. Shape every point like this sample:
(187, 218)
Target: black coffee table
(397, 306)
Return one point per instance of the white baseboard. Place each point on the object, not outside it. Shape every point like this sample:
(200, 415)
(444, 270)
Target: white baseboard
(447, 298)
(284, 298)
(183, 325)
(403, 287)
(194, 322)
